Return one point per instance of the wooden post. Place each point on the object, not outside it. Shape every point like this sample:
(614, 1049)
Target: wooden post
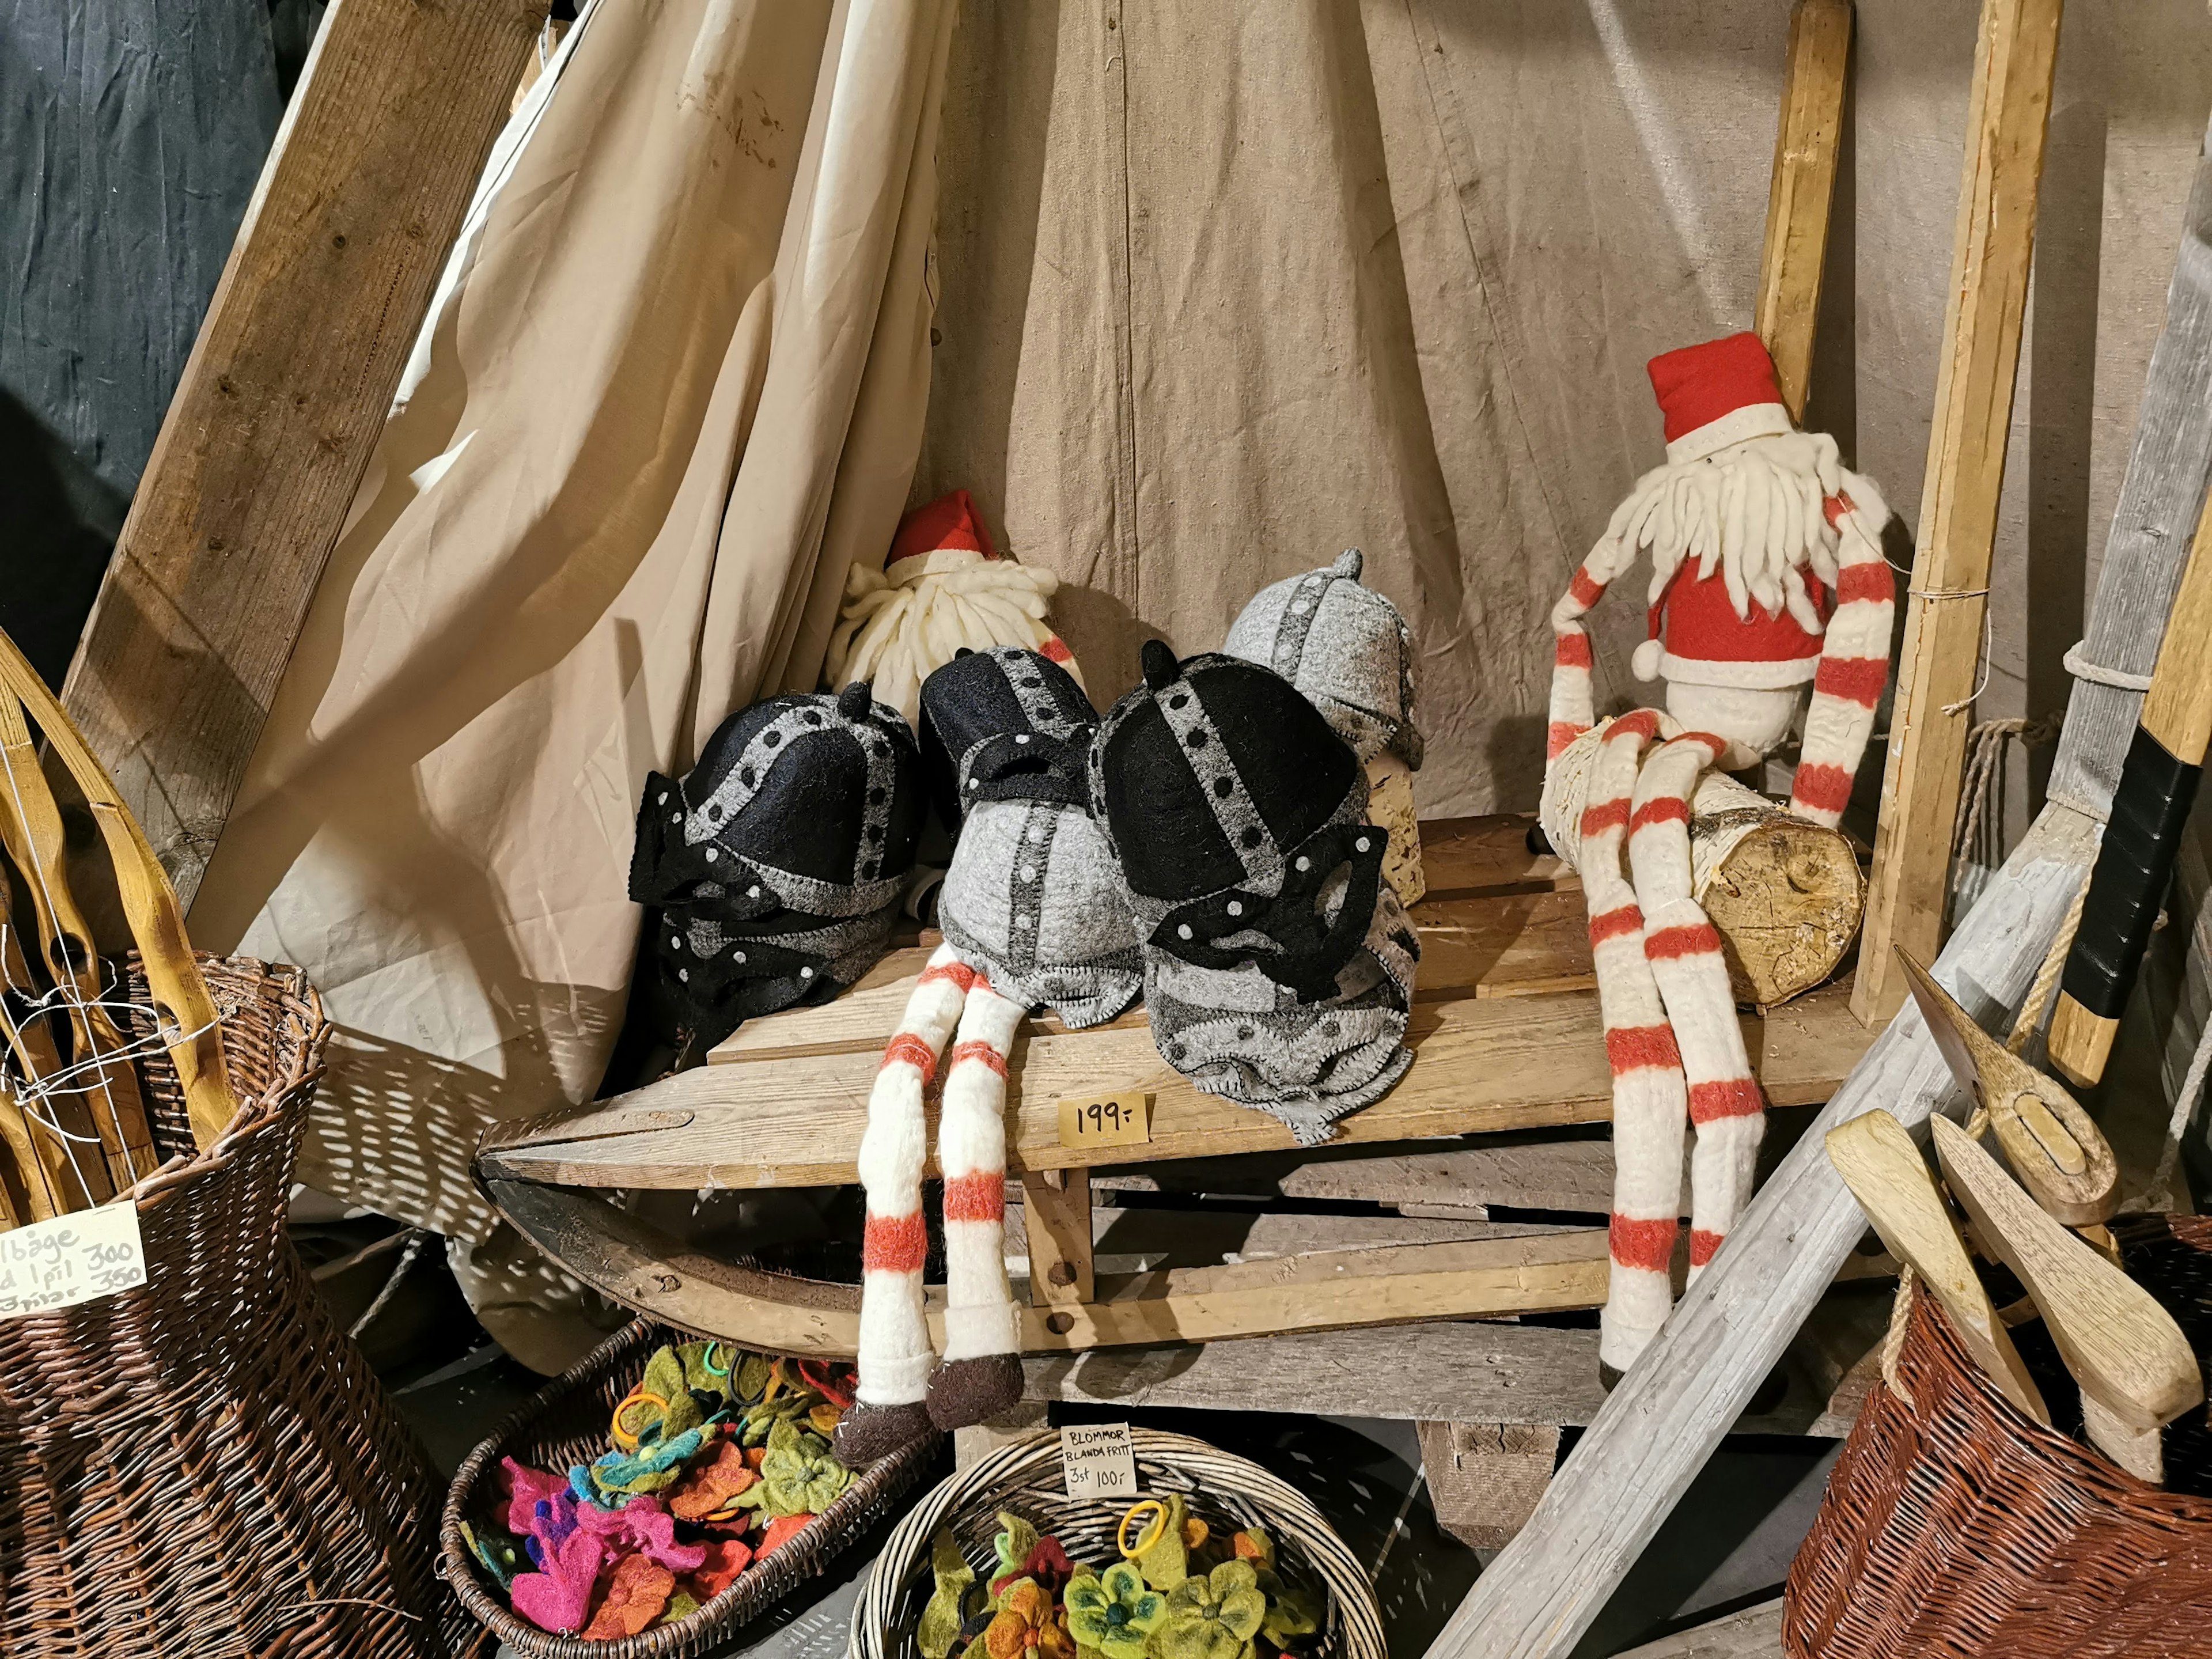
(2008, 115)
(1486, 1478)
(1056, 1210)
(1803, 186)
(282, 401)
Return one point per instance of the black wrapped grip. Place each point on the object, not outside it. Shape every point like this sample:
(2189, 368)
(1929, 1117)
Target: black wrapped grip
(2134, 866)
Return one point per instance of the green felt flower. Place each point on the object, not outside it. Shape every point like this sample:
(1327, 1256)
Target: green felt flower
(1290, 1612)
(748, 1381)
(942, 1618)
(1167, 1563)
(799, 1475)
(1016, 1540)
(1213, 1617)
(1113, 1611)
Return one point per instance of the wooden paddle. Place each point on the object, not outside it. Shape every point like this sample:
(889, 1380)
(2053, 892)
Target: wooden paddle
(2134, 864)
(1874, 1154)
(2053, 1145)
(2136, 1368)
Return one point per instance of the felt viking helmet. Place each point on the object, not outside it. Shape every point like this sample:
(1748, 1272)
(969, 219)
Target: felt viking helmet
(1766, 572)
(1032, 898)
(1345, 647)
(1278, 966)
(943, 588)
(776, 863)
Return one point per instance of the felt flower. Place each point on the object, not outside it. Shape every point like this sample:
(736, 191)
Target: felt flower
(1253, 1545)
(643, 1526)
(798, 1474)
(1048, 1563)
(653, 1467)
(750, 1378)
(1027, 1624)
(779, 1532)
(1212, 1617)
(500, 1557)
(1166, 1563)
(712, 1484)
(526, 1489)
(1113, 1611)
(636, 1595)
(1291, 1612)
(1013, 1545)
(673, 1408)
(726, 1558)
(681, 1605)
(832, 1382)
(559, 1598)
(942, 1616)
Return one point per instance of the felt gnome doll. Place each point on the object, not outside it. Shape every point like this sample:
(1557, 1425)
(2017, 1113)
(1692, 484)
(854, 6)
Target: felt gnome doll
(1349, 650)
(1279, 964)
(1033, 916)
(1767, 575)
(943, 588)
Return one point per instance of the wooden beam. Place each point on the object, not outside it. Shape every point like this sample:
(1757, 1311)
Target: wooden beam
(1753, 1633)
(2008, 114)
(1801, 189)
(283, 400)
(1056, 1215)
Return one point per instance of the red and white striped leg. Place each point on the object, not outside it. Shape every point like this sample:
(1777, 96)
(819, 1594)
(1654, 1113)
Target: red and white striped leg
(1726, 1103)
(981, 1375)
(1649, 1100)
(896, 1355)
(1854, 667)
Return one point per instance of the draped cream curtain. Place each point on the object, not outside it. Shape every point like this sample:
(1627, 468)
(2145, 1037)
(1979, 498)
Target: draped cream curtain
(674, 381)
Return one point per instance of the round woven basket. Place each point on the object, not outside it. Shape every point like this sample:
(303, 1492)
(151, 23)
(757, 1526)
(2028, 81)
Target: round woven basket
(1027, 1478)
(204, 1465)
(566, 1424)
(1953, 1524)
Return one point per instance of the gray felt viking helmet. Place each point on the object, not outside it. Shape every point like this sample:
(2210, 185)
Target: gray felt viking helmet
(1032, 897)
(1279, 965)
(1345, 647)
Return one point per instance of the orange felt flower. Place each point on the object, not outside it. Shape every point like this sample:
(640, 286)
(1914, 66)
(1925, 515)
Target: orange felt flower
(636, 1595)
(780, 1532)
(1027, 1624)
(726, 1558)
(711, 1486)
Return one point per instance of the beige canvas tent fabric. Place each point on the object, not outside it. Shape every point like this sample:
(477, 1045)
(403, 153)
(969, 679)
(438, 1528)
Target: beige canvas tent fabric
(679, 363)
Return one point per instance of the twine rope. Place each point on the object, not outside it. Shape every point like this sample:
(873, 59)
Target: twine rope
(2097, 674)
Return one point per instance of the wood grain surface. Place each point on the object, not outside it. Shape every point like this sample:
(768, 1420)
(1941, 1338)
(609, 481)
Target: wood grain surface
(283, 400)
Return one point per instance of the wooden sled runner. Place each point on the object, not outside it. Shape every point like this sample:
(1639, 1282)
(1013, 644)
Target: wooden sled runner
(1506, 1038)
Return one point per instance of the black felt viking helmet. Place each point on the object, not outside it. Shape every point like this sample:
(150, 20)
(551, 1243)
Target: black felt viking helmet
(1004, 724)
(1228, 803)
(778, 862)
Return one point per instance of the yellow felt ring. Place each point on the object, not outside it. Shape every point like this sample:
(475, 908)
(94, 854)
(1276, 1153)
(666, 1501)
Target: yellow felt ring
(623, 1439)
(1154, 1531)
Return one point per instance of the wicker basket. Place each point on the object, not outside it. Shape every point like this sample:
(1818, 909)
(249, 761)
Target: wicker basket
(566, 1425)
(204, 1465)
(1954, 1525)
(1026, 1479)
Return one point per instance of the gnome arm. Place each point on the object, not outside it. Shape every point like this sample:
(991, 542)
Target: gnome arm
(1854, 659)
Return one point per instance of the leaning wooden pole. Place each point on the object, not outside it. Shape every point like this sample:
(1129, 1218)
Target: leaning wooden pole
(1799, 190)
(1658, 1427)
(282, 401)
(2008, 114)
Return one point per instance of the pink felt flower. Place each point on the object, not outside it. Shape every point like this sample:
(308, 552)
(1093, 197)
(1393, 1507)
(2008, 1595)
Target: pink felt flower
(527, 1488)
(560, 1598)
(644, 1526)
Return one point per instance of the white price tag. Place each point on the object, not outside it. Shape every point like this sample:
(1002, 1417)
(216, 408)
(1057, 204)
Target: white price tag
(1099, 1461)
(72, 1259)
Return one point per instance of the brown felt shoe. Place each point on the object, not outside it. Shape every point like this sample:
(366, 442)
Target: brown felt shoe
(965, 1392)
(867, 1432)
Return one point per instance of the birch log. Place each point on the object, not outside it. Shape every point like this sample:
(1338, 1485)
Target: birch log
(1785, 895)
(1657, 1428)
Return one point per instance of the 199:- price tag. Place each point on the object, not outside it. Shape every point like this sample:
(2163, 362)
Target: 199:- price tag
(1105, 1120)
(70, 1259)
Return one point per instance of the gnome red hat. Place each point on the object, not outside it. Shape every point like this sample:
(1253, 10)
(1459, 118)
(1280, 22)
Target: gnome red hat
(1756, 532)
(943, 588)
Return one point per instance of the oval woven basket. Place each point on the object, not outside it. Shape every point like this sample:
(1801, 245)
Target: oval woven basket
(566, 1424)
(1954, 1525)
(1027, 1480)
(204, 1465)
